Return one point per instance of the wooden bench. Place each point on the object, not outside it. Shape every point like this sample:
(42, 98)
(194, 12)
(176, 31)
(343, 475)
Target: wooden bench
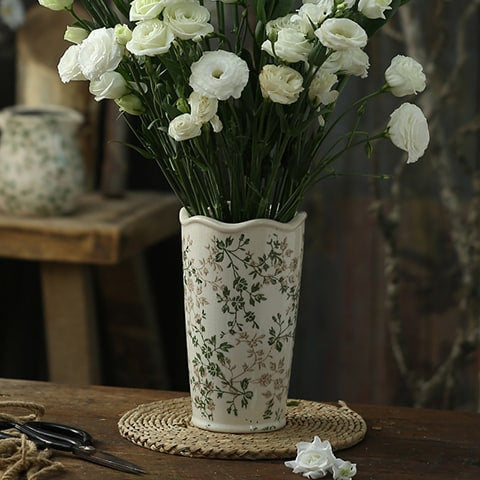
(101, 232)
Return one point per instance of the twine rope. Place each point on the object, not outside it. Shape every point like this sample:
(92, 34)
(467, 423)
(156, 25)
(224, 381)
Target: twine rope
(19, 457)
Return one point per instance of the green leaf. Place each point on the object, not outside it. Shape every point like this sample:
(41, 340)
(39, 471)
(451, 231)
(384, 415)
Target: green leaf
(141, 151)
(260, 11)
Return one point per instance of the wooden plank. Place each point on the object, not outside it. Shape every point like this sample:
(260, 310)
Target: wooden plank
(70, 323)
(401, 443)
(102, 230)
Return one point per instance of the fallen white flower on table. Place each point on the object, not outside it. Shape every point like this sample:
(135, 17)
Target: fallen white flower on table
(343, 470)
(316, 459)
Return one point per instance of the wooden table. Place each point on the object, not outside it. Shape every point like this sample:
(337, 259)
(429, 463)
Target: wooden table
(401, 443)
(102, 231)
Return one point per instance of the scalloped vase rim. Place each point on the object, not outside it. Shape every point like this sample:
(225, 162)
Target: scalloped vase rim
(187, 219)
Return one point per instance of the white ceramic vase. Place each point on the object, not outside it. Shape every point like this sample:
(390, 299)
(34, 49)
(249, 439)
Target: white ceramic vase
(41, 168)
(241, 286)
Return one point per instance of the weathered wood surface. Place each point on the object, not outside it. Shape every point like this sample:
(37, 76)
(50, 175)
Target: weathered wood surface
(401, 443)
(101, 231)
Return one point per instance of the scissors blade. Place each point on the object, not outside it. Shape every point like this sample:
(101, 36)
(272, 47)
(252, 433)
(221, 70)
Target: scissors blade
(107, 460)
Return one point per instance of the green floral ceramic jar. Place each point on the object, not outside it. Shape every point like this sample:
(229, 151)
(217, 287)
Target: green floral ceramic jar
(242, 287)
(41, 168)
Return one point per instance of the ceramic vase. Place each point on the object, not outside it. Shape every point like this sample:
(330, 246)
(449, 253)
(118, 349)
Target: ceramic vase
(241, 287)
(41, 168)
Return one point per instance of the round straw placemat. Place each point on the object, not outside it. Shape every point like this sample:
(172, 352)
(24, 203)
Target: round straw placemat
(165, 426)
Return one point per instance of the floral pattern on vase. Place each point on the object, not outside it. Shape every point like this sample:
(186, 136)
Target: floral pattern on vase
(242, 286)
(41, 168)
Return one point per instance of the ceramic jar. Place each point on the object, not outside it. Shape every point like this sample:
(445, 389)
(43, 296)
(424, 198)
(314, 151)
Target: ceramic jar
(41, 168)
(242, 286)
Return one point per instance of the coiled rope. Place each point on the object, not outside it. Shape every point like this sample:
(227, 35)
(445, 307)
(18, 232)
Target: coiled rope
(19, 457)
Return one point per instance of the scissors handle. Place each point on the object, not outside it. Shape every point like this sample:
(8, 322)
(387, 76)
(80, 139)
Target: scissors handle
(73, 434)
(51, 435)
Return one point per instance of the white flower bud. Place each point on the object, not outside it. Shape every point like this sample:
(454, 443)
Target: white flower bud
(291, 46)
(202, 108)
(150, 37)
(281, 84)
(408, 130)
(405, 76)
(109, 85)
(131, 104)
(56, 4)
(184, 127)
(188, 20)
(123, 34)
(374, 8)
(75, 34)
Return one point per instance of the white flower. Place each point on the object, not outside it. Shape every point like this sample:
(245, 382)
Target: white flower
(314, 460)
(150, 37)
(145, 9)
(99, 53)
(274, 26)
(109, 85)
(68, 66)
(56, 4)
(12, 13)
(291, 46)
(353, 61)
(123, 34)
(374, 8)
(75, 34)
(320, 91)
(188, 20)
(281, 84)
(316, 12)
(219, 74)
(405, 76)
(343, 470)
(202, 108)
(408, 130)
(341, 34)
(184, 127)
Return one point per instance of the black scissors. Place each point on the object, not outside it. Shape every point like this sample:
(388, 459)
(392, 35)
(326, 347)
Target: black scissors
(68, 439)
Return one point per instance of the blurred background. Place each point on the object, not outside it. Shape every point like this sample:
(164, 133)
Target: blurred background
(390, 305)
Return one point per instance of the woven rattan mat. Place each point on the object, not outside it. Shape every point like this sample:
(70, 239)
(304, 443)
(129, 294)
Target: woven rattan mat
(165, 426)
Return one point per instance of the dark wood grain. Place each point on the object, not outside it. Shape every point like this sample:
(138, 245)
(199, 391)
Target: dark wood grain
(401, 443)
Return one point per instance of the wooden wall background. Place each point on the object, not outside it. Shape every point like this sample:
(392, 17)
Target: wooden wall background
(343, 349)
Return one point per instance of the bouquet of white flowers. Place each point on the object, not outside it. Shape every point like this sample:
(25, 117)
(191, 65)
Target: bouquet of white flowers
(238, 112)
